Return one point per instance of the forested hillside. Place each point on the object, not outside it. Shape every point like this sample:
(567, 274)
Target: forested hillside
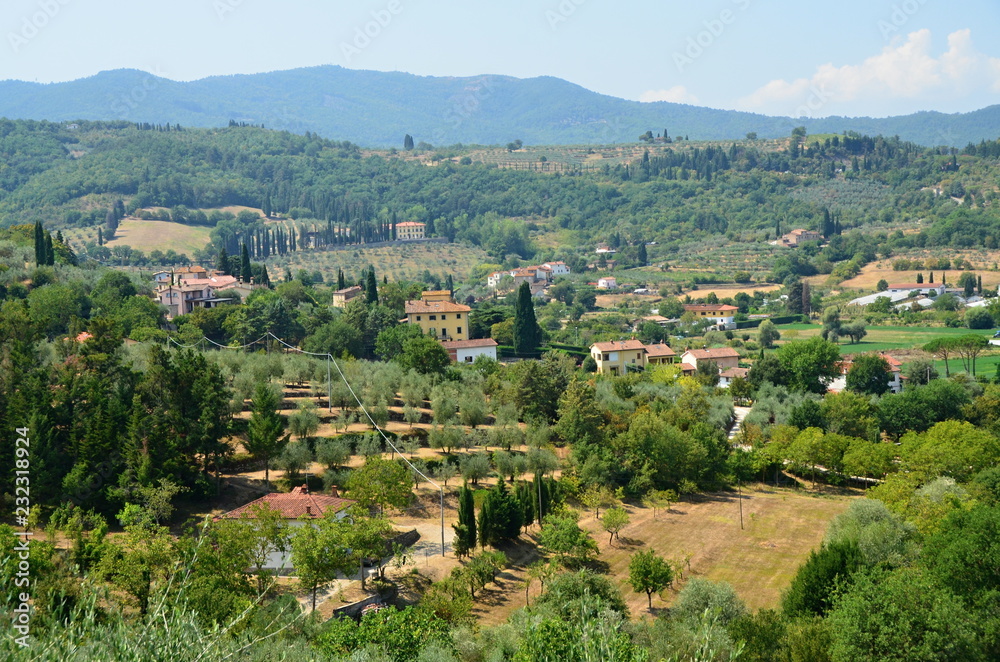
(377, 108)
(873, 196)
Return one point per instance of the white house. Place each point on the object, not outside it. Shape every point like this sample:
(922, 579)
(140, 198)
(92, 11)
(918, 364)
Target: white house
(162, 277)
(720, 314)
(557, 268)
(293, 506)
(466, 351)
(726, 377)
(839, 383)
(922, 288)
(607, 283)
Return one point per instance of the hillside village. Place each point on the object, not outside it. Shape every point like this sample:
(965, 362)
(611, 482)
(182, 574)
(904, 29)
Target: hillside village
(385, 427)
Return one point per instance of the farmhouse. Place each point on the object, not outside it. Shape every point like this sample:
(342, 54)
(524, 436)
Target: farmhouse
(443, 319)
(923, 288)
(294, 506)
(466, 351)
(723, 357)
(796, 238)
(607, 283)
(410, 231)
(720, 314)
(341, 297)
(557, 268)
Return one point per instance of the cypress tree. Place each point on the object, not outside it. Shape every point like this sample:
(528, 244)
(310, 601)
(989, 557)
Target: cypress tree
(486, 523)
(407, 142)
(264, 278)
(341, 281)
(467, 516)
(100, 236)
(643, 257)
(245, 271)
(371, 288)
(50, 253)
(222, 261)
(526, 332)
(39, 244)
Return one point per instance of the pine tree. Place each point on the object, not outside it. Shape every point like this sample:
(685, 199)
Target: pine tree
(245, 271)
(527, 334)
(371, 288)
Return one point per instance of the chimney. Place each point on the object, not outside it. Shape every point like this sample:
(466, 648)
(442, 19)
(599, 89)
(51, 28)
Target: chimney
(309, 510)
(334, 492)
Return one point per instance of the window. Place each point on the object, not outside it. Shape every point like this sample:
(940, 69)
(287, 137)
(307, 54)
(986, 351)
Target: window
(468, 359)
(458, 316)
(458, 330)
(433, 317)
(418, 318)
(444, 317)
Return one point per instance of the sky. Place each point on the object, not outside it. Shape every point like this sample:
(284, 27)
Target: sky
(779, 57)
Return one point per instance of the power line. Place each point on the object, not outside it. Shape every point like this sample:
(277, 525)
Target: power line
(331, 360)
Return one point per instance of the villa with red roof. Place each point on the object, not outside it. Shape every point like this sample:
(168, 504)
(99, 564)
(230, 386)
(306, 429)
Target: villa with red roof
(895, 374)
(296, 507)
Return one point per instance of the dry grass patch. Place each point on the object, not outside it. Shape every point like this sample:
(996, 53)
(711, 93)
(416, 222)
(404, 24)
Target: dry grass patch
(160, 235)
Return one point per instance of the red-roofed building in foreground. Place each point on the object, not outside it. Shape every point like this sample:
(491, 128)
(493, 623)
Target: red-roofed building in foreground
(297, 507)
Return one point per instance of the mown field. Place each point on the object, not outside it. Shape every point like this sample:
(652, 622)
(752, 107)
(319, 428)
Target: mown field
(702, 538)
(149, 236)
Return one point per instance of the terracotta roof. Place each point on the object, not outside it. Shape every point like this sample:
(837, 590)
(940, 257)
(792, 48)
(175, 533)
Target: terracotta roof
(466, 344)
(659, 349)
(714, 353)
(353, 289)
(687, 367)
(410, 224)
(735, 372)
(618, 345)
(215, 281)
(708, 307)
(294, 504)
(419, 307)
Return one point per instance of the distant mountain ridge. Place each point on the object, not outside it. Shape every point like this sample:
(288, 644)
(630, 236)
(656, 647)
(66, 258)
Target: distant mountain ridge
(377, 109)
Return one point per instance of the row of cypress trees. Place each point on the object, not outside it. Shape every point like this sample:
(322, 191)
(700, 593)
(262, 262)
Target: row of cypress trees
(502, 514)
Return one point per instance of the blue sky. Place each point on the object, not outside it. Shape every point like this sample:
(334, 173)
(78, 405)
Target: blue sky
(852, 57)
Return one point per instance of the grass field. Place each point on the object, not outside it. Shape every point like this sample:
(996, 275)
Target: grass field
(701, 538)
(871, 274)
(148, 236)
(903, 342)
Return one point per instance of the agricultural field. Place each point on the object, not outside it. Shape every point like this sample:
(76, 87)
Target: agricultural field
(985, 265)
(398, 262)
(702, 538)
(148, 236)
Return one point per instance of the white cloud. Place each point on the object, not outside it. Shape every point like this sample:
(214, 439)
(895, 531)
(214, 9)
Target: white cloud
(676, 94)
(904, 71)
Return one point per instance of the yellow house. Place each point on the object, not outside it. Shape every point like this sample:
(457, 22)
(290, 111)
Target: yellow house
(444, 320)
(619, 356)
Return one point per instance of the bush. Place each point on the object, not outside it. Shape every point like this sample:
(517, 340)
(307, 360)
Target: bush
(978, 318)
